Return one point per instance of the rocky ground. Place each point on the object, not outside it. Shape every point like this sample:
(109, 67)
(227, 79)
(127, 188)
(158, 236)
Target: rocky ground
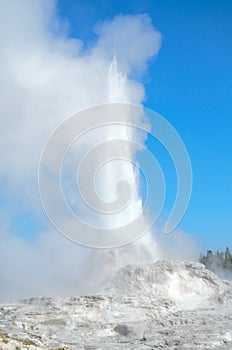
(165, 305)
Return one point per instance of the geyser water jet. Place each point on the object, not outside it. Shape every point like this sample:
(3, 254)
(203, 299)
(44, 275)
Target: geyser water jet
(144, 249)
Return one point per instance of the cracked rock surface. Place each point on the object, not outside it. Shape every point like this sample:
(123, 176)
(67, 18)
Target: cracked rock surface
(164, 305)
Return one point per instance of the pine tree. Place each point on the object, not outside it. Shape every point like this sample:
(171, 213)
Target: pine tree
(228, 259)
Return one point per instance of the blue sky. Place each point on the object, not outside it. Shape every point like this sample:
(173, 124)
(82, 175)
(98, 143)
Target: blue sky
(190, 84)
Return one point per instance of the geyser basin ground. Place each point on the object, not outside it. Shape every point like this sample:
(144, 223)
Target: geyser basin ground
(164, 305)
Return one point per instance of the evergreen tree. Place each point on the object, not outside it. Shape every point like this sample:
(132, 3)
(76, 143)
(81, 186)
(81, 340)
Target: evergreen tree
(228, 259)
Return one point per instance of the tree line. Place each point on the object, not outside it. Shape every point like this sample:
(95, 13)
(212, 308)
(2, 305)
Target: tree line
(219, 260)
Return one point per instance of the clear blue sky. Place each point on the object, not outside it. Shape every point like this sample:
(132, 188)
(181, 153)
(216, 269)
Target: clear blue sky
(190, 84)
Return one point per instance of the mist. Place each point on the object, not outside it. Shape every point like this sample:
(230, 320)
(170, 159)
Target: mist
(45, 78)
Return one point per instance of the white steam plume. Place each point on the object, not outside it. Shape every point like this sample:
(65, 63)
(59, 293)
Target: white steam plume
(46, 77)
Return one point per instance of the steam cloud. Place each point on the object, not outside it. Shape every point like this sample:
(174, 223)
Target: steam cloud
(46, 77)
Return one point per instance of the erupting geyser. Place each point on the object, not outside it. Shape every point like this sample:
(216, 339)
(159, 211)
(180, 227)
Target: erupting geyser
(114, 171)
